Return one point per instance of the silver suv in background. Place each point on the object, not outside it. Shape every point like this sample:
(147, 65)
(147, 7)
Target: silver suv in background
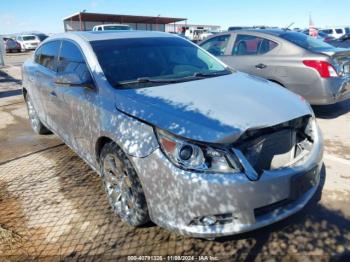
(28, 42)
(176, 135)
(307, 66)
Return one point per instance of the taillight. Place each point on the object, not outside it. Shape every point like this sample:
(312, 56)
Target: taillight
(324, 68)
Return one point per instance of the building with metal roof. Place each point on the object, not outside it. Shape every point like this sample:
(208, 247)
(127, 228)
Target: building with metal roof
(83, 21)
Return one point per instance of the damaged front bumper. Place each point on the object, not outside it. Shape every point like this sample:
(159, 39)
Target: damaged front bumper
(212, 205)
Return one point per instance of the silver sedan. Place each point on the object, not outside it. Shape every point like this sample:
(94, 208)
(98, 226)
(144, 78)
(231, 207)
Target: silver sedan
(176, 136)
(307, 66)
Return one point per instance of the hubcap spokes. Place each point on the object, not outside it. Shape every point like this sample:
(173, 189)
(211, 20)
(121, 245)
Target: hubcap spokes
(32, 115)
(117, 184)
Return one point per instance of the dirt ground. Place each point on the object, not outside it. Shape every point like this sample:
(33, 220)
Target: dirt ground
(52, 205)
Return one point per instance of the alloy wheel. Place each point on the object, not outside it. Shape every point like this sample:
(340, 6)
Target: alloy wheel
(118, 185)
(33, 117)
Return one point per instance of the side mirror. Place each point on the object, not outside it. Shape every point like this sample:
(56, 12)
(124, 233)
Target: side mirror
(74, 79)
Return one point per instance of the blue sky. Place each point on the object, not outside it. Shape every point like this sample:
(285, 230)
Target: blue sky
(46, 16)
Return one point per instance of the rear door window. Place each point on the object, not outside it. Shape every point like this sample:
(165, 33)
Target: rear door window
(252, 45)
(216, 45)
(48, 55)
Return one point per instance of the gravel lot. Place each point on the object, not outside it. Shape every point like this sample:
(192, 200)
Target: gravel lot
(52, 204)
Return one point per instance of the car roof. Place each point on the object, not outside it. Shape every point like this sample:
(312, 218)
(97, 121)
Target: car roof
(106, 35)
(26, 35)
(112, 24)
(275, 32)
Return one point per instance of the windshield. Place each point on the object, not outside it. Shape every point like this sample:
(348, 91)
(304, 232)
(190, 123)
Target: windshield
(305, 41)
(29, 37)
(116, 27)
(156, 58)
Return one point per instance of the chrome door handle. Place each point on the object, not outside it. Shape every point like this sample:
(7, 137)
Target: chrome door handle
(260, 66)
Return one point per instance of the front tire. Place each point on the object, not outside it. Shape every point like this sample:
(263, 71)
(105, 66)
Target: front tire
(35, 122)
(122, 185)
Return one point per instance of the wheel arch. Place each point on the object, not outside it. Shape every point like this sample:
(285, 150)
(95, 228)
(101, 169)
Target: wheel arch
(276, 82)
(100, 143)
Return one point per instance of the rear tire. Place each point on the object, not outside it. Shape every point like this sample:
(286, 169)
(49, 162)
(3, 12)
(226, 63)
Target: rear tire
(122, 185)
(34, 120)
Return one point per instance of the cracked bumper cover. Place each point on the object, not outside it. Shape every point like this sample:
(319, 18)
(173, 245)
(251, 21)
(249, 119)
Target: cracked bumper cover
(175, 197)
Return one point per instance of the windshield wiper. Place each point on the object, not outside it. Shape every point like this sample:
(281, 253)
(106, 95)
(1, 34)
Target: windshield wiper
(142, 80)
(196, 75)
(211, 74)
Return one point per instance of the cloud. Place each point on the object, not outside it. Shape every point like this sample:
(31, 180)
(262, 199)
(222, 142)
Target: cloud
(95, 3)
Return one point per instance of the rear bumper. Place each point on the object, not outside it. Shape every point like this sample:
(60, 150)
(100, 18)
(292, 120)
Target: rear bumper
(176, 197)
(330, 91)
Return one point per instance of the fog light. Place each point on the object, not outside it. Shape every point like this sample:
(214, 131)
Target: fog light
(209, 220)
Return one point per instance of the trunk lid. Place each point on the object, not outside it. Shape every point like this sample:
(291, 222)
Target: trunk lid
(340, 58)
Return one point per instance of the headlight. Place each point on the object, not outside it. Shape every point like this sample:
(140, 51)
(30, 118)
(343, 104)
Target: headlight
(311, 128)
(192, 156)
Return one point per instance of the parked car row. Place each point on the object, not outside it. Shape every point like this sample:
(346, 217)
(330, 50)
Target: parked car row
(179, 137)
(307, 66)
(320, 35)
(336, 32)
(24, 42)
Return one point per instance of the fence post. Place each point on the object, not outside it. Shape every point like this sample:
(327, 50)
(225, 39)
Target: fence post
(2, 52)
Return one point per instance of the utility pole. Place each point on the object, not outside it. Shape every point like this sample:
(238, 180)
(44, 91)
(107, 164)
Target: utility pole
(2, 52)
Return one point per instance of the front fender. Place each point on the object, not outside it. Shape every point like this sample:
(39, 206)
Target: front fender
(134, 137)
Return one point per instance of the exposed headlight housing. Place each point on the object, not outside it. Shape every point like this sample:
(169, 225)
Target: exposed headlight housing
(190, 155)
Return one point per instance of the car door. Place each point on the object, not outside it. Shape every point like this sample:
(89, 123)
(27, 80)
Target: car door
(77, 119)
(251, 54)
(46, 80)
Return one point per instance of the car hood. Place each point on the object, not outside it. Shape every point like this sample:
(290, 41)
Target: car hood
(214, 110)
